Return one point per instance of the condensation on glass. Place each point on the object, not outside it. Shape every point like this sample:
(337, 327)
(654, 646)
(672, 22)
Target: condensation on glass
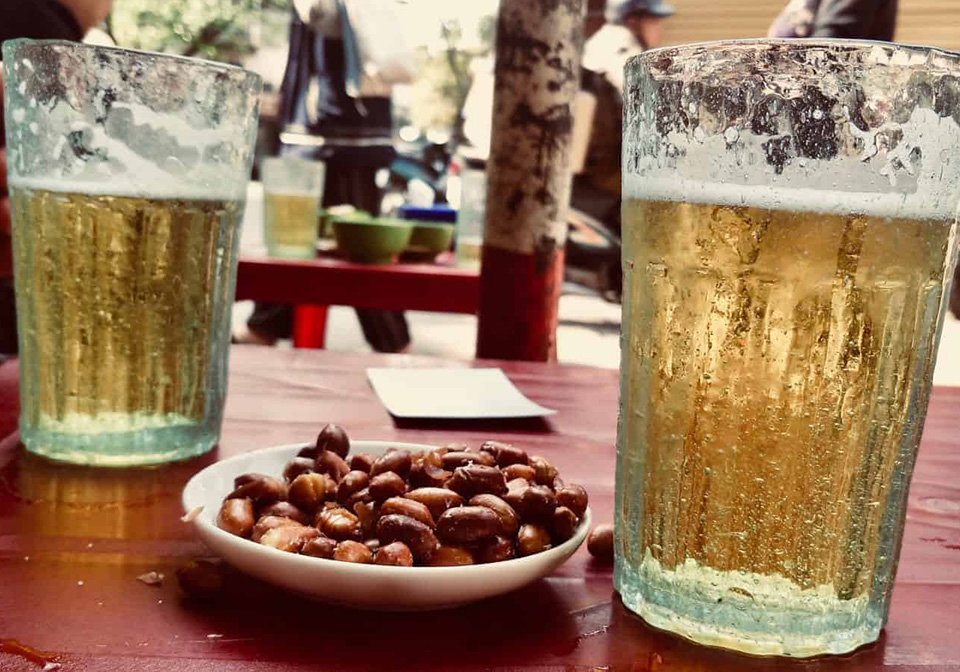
(127, 175)
(789, 234)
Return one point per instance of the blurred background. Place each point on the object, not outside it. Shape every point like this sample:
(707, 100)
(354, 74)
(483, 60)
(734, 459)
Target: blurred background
(451, 38)
(447, 107)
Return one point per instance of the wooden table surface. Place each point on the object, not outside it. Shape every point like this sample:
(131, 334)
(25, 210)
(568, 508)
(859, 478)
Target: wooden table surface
(73, 541)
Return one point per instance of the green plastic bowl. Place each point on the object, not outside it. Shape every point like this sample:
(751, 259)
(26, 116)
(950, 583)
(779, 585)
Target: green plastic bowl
(371, 240)
(429, 239)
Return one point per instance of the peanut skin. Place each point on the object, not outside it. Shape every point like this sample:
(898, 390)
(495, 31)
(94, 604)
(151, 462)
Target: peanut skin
(600, 543)
(353, 551)
(236, 517)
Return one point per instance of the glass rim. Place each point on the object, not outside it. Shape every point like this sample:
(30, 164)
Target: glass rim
(796, 43)
(188, 61)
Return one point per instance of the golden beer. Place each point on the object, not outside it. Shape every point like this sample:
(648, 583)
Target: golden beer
(123, 321)
(773, 396)
(291, 223)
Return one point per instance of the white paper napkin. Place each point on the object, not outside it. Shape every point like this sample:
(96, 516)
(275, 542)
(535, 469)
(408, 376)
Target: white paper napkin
(452, 393)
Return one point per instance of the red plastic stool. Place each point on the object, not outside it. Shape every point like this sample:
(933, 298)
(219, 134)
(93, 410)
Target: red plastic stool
(309, 326)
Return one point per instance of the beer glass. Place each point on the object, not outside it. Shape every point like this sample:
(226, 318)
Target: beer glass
(292, 192)
(127, 175)
(789, 227)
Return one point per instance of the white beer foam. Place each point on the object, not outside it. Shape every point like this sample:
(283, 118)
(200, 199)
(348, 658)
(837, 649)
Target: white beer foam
(118, 187)
(795, 199)
(124, 172)
(927, 191)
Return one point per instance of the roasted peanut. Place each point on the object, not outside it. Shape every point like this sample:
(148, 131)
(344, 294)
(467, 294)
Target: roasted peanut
(437, 500)
(236, 517)
(532, 539)
(524, 471)
(558, 483)
(267, 523)
(600, 543)
(574, 497)
(243, 479)
(451, 556)
(319, 547)
(358, 497)
(285, 510)
(407, 507)
(386, 485)
(334, 439)
(367, 514)
(397, 554)
(425, 474)
(417, 536)
(509, 520)
(476, 479)
(373, 544)
(435, 456)
(505, 453)
(261, 490)
(452, 447)
(352, 482)
(289, 538)
(338, 523)
(310, 451)
(297, 466)
(514, 493)
(536, 504)
(329, 462)
(202, 578)
(353, 551)
(467, 524)
(361, 462)
(563, 525)
(546, 472)
(452, 460)
(495, 549)
(309, 491)
(397, 461)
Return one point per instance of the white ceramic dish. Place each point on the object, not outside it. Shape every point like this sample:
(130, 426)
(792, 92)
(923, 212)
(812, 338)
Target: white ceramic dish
(360, 586)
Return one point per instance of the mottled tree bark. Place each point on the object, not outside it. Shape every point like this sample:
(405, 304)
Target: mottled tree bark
(528, 176)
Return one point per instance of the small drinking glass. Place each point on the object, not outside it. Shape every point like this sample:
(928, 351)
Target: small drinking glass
(292, 192)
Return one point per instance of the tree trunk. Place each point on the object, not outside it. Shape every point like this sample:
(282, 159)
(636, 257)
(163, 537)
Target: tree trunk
(528, 177)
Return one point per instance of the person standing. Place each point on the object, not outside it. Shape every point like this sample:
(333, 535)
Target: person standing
(848, 19)
(633, 26)
(332, 110)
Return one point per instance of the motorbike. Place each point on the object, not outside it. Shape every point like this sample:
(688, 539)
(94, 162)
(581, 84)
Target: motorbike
(593, 243)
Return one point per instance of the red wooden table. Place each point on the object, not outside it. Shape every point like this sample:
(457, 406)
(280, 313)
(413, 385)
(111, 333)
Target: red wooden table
(436, 286)
(73, 541)
(313, 284)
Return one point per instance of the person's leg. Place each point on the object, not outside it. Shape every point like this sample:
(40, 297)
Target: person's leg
(269, 323)
(385, 330)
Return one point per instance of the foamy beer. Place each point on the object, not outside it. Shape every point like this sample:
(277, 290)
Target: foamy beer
(127, 175)
(292, 193)
(789, 228)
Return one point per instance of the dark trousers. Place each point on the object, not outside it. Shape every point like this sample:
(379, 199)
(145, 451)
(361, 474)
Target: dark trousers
(385, 330)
